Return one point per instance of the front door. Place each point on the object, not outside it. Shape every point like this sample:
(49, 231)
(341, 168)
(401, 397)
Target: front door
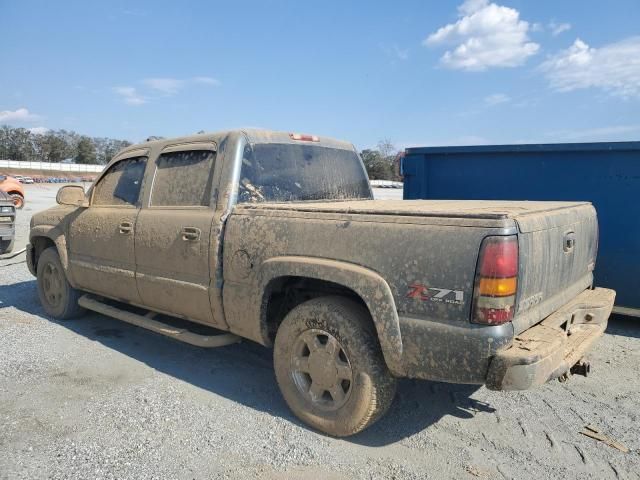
(174, 263)
(101, 236)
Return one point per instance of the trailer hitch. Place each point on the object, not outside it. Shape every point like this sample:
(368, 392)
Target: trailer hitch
(581, 367)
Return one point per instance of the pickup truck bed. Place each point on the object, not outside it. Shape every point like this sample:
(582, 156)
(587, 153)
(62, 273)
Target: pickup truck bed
(422, 249)
(477, 209)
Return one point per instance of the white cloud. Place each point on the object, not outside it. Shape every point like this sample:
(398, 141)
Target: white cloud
(470, 7)
(557, 28)
(19, 115)
(167, 86)
(214, 82)
(130, 95)
(39, 130)
(486, 35)
(496, 99)
(537, 27)
(171, 86)
(135, 13)
(161, 87)
(400, 53)
(394, 52)
(614, 68)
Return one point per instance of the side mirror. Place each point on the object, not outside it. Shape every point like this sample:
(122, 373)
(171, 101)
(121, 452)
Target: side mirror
(72, 195)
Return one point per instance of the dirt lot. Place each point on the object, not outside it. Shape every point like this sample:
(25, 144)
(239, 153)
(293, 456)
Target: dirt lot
(97, 398)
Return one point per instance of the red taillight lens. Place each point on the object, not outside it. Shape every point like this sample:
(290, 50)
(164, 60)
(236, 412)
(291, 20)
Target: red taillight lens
(500, 258)
(494, 296)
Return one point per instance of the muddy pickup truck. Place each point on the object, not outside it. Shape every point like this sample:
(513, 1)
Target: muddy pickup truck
(275, 237)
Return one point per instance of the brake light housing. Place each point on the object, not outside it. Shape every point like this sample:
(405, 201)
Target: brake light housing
(496, 282)
(303, 137)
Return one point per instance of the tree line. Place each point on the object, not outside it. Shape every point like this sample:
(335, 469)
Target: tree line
(54, 146)
(382, 162)
(57, 145)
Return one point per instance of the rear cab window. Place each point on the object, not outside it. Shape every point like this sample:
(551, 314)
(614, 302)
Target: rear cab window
(183, 179)
(120, 185)
(285, 172)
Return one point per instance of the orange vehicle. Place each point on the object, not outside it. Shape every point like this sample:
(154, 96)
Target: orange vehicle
(13, 188)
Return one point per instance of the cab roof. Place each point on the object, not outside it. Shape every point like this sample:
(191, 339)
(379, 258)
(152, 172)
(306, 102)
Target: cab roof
(254, 135)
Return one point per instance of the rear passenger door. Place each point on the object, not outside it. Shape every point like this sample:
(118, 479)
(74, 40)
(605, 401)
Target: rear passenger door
(101, 248)
(173, 234)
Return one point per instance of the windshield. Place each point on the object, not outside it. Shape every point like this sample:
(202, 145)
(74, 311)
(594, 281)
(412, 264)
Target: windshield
(289, 173)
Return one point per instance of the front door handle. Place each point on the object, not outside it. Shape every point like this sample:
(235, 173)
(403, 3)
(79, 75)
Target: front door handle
(125, 228)
(190, 234)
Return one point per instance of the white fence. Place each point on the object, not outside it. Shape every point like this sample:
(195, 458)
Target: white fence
(59, 167)
(385, 184)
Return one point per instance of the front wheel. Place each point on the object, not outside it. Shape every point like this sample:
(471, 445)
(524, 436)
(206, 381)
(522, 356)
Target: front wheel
(330, 368)
(58, 298)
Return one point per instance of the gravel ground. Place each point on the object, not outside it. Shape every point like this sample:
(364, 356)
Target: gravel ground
(98, 398)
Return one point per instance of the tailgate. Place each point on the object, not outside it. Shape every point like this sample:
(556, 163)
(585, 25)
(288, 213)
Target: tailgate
(557, 257)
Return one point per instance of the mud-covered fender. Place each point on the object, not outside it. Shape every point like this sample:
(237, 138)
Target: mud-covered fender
(55, 234)
(371, 287)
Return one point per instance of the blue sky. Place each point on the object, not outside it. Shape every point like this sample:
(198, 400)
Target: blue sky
(415, 72)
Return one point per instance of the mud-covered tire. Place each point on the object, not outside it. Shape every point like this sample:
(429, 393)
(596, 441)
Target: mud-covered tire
(18, 200)
(372, 387)
(6, 246)
(58, 298)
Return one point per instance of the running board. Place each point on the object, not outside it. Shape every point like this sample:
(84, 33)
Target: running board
(184, 335)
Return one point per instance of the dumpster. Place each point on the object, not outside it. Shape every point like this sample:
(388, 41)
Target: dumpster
(606, 174)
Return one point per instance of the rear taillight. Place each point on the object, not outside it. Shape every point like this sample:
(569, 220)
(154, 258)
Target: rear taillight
(494, 295)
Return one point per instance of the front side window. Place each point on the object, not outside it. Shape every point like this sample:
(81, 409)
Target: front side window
(121, 184)
(292, 173)
(183, 179)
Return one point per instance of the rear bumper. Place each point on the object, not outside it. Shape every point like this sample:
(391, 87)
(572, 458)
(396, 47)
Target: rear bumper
(550, 348)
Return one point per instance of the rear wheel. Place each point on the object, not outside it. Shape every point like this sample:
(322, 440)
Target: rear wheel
(330, 368)
(18, 200)
(58, 298)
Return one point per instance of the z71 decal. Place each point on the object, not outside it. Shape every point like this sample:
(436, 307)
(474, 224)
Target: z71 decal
(434, 294)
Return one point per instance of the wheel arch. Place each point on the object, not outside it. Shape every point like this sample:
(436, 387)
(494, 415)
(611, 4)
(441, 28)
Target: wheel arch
(43, 237)
(363, 285)
(13, 192)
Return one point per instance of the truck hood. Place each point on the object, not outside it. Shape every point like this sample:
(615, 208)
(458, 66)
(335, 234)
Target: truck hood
(525, 213)
(51, 216)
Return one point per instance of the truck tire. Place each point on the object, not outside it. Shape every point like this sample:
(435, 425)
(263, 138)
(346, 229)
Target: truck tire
(58, 298)
(6, 246)
(18, 200)
(330, 368)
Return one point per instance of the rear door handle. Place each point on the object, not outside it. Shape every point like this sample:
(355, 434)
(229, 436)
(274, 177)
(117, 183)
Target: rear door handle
(126, 228)
(190, 234)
